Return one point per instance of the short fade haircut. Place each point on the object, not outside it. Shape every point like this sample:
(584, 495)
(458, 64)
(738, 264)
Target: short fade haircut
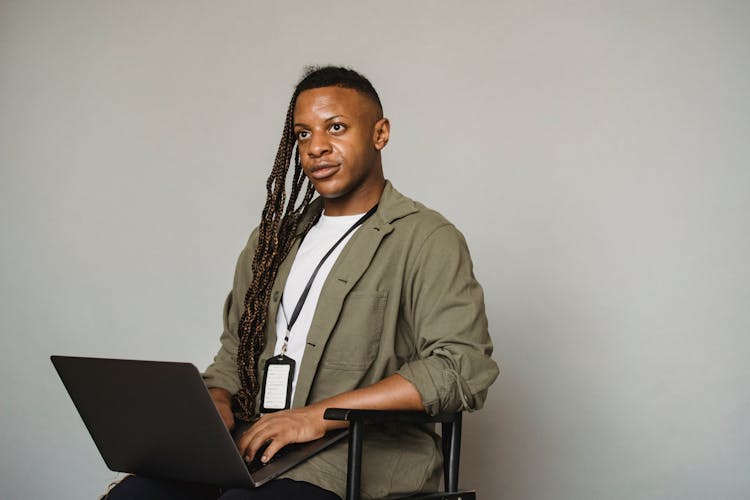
(315, 77)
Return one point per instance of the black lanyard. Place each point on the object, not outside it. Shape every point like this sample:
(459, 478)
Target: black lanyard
(301, 302)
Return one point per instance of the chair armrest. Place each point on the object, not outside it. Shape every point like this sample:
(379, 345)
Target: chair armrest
(451, 436)
(380, 416)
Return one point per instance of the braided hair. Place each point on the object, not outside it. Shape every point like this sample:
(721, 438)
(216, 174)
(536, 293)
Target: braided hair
(277, 230)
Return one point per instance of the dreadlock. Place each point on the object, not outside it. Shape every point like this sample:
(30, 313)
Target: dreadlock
(277, 230)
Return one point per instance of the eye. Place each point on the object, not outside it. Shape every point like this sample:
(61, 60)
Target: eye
(337, 128)
(302, 135)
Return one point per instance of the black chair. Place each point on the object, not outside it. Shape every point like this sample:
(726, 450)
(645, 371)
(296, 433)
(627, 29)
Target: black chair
(451, 431)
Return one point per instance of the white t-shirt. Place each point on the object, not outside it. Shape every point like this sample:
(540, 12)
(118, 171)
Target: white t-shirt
(318, 241)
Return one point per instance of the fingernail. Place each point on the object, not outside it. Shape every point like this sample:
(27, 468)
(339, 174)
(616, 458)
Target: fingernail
(264, 459)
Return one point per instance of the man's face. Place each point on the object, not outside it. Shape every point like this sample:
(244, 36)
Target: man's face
(339, 135)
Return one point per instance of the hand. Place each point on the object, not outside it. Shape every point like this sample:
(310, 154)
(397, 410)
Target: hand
(281, 428)
(223, 401)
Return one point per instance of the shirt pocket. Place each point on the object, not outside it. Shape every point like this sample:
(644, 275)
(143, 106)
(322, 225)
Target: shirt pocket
(355, 340)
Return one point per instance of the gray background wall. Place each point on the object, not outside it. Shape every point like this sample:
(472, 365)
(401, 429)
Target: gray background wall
(595, 154)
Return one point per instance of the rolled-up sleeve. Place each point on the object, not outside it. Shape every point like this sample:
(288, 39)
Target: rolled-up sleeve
(223, 371)
(444, 306)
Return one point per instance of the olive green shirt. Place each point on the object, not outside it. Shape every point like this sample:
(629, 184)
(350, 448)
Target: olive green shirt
(401, 298)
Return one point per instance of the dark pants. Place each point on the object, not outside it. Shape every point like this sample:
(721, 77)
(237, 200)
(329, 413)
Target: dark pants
(142, 488)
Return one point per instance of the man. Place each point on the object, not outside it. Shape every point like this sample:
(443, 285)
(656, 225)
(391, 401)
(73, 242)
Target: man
(367, 297)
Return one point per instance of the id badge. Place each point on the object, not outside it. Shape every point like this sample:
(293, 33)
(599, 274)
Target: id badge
(276, 394)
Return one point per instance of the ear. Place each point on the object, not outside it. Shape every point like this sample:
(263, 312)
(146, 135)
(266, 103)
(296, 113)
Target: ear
(381, 133)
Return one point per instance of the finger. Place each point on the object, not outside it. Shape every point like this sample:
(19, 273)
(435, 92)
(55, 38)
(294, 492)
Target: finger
(258, 427)
(253, 446)
(256, 443)
(243, 442)
(265, 429)
(245, 445)
(273, 447)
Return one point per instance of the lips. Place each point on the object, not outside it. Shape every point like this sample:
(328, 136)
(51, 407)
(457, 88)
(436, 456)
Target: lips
(323, 170)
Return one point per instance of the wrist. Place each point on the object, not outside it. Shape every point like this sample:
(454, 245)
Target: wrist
(314, 411)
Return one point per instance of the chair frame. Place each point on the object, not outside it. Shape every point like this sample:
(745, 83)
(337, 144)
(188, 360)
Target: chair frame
(451, 432)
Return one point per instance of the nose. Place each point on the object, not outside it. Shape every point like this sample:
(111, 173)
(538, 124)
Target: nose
(318, 146)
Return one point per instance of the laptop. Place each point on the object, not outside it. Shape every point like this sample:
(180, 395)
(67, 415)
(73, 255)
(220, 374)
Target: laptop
(157, 419)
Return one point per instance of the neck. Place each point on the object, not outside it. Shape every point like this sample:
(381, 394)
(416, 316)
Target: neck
(358, 202)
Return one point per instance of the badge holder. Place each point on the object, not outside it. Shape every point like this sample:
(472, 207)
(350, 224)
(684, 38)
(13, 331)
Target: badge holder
(276, 394)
